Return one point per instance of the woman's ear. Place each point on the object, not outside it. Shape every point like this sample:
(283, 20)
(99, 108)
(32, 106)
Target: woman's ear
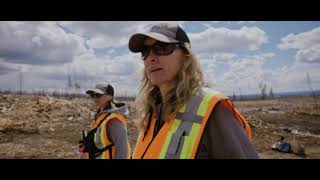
(109, 97)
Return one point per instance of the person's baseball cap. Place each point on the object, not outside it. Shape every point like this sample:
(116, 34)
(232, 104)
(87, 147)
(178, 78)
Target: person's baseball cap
(164, 32)
(102, 89)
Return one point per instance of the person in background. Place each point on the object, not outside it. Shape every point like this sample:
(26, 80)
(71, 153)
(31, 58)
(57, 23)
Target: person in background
(108, 137)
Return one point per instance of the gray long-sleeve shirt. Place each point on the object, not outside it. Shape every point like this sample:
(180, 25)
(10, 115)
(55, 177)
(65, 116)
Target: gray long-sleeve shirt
(117, 133)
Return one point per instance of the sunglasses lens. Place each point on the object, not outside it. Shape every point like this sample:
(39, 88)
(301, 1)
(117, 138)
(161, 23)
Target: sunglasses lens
(160, 49)
(95, 95)
(163, 49)
(145, 52)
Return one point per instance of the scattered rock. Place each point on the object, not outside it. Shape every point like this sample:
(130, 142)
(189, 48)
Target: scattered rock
(70, 118)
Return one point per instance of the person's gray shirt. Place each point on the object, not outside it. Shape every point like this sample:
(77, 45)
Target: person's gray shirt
(117, 133)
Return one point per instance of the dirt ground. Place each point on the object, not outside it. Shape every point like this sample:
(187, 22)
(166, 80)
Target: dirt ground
(41, 127)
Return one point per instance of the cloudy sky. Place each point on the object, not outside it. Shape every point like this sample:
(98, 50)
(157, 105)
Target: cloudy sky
(235, 55)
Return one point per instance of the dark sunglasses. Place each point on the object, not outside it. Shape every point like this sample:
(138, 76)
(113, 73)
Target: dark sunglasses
(160, 49)
(92, 95)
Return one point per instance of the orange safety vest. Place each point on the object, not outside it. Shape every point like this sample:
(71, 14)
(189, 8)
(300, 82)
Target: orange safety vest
(101, 139)
(180, 135)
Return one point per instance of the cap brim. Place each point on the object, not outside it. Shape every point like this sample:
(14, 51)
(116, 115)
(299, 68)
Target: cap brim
(95, 91)
(136, 41)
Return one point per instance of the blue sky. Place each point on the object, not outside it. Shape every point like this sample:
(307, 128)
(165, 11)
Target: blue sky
(235, 55)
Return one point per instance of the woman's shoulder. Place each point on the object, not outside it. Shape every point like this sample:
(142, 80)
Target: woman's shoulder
(115, 122)
(207, 92)
(118, 118)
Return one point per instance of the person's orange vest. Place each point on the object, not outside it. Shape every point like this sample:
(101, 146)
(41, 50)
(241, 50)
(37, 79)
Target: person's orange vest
(101, 139)
(180, 135)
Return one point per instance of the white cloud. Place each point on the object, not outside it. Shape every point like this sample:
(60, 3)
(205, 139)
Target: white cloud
(244, 73)
(249, 66)
(38, 43)
(6, 69)
(293, 77)
(307, 45)
(309, 55)
(119, 70)
(126, 64)
(244, 22)
(247, 73)
(228, 40)
(105, 34)
(223, 57)
(87, 69)
(301, 40)
(216, 57)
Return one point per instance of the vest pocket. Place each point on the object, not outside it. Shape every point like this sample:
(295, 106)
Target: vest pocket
(181, 134)
(176, 145)
(187, 147)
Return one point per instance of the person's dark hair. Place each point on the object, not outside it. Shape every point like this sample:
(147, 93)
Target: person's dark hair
(117, 104)
(109, 90)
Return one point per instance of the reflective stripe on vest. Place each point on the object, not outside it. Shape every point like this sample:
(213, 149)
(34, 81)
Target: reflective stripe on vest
(180, 136)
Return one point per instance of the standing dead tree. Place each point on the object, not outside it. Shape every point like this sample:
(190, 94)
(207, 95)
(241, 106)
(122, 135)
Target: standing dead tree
(234, 97)
(263, 89)
(310, 86)
(309, 83)
(271, 95)
(20, 81)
